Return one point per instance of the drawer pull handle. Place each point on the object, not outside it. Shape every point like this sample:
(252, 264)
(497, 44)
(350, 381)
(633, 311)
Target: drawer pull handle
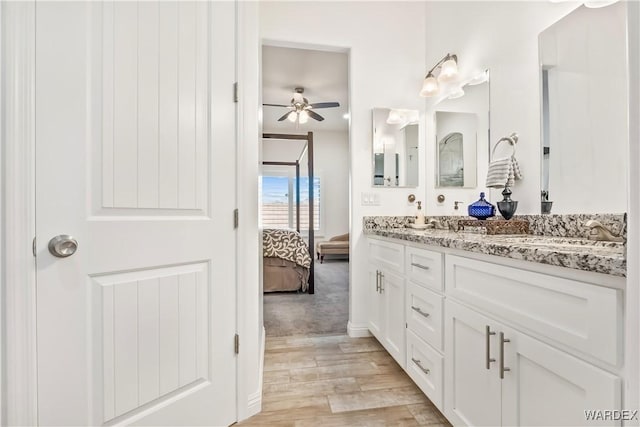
(377, 281)
(381, 282)
(503, 369)
(487, 335)
(419, 364)
(413, 307)
(424, 267)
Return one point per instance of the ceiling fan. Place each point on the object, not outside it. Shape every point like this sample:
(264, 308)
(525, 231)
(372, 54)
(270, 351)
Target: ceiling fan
(301, 110)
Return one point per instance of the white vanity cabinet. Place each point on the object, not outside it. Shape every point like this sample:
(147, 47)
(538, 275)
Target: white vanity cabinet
(492, 341)
(386, 290)
(496, 375)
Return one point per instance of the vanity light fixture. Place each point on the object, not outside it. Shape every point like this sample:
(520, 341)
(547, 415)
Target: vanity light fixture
(394, 117)
(457, 93)
(448, 72)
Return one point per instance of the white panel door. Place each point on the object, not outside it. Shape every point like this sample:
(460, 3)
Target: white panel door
(375, 304)
(473, 389)
(542, 377)
(393, 315)
(135, 135)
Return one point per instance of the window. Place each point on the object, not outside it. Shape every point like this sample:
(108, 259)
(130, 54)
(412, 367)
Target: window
(279, 201)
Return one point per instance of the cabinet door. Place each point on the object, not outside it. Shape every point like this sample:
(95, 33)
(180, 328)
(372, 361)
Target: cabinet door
(546, 386)
(393, 316)
(472, 392)
(374, 304)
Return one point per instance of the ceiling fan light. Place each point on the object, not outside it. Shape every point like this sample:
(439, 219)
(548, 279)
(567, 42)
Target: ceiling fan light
(292, 117)
(303, 117)
(449, 70)
(429, 86)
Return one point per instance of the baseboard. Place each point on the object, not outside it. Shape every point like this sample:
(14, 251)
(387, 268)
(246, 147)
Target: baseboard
(358, 330)
(254, 404)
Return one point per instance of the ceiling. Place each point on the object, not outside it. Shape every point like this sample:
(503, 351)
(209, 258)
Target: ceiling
(323, 75)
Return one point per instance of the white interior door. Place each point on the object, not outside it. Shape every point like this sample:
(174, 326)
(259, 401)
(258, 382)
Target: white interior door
(135, 135)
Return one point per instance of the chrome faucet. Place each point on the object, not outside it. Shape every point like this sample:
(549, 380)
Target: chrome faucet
(601, 233)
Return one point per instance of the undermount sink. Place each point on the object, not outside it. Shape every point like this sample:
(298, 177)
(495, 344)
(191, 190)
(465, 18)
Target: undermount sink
(561, 241)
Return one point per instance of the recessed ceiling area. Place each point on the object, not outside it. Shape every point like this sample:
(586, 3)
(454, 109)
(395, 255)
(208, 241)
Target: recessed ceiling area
(322, 74)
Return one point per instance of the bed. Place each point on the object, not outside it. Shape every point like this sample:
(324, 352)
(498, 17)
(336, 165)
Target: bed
(287, 261)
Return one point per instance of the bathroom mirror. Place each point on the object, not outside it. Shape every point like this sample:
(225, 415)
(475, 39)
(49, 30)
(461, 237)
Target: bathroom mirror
(583, 79)
(461, 129)
(395, 147)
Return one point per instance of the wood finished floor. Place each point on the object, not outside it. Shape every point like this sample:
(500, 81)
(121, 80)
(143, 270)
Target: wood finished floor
(338, 381)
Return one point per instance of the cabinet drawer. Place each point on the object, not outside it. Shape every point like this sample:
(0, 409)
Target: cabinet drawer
(570, 313)
(386, 254)
(424, 314)
(424, 267)
(425, 367)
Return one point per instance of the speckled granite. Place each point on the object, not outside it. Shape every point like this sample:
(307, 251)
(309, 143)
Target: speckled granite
(541, 225)
(579, 254)
(559, 240)
(573, 225)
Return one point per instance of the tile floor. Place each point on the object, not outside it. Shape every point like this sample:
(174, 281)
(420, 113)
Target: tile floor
(338, 381)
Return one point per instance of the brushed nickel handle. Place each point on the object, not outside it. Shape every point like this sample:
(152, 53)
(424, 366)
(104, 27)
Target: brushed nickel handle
(413, 307)
(419, 364)
(63, 246)
(381, 282)
(424, 267)
(502, 367)
(377, 281)
(488, 358)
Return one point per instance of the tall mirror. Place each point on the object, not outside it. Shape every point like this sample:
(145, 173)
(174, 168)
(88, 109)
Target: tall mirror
(461, 127)
(583, 75)
(395, 147)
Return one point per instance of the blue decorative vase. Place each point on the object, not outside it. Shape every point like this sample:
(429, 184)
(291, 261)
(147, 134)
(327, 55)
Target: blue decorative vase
(482, 209)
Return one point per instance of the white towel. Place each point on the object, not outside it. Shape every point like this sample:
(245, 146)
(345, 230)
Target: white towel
(503, 172)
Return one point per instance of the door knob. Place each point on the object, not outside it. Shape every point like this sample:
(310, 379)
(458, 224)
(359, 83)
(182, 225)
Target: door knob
(63, 246)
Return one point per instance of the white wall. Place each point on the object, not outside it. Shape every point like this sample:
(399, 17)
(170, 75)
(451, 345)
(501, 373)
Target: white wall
(586, 57)
(386, 44)
(331, 164)
(501, 36)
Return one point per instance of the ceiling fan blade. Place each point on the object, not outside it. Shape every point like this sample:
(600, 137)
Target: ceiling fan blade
(276, 105)
(285, 116)
(315, 115)
(324, 105)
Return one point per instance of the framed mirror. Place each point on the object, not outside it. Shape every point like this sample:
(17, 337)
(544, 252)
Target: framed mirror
(461, 121)
(584, 109)
(395, 147)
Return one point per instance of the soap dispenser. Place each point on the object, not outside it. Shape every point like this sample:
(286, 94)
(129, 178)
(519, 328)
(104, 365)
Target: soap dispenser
(419, 215)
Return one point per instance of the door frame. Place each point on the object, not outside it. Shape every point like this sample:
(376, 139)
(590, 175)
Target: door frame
(18, 396)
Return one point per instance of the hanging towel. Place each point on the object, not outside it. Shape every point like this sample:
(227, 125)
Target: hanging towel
(503, 172)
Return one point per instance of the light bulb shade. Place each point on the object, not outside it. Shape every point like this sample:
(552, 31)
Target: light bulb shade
(394, 117)
(594, 4)
(303, 117)
(449, 71)
(457, 93)
(429, 86)
(292, 117)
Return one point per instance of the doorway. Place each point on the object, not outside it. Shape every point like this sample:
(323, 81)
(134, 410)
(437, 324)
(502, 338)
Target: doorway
(305, 90)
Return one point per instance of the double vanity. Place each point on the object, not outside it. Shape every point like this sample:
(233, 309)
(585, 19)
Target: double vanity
(501, 329)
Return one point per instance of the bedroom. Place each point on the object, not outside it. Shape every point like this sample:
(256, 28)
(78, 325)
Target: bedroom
(311, 297)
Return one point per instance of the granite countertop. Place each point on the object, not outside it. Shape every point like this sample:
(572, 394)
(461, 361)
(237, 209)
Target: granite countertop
(570, 252)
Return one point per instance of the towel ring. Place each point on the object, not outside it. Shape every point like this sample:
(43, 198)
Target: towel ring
(512, 139)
